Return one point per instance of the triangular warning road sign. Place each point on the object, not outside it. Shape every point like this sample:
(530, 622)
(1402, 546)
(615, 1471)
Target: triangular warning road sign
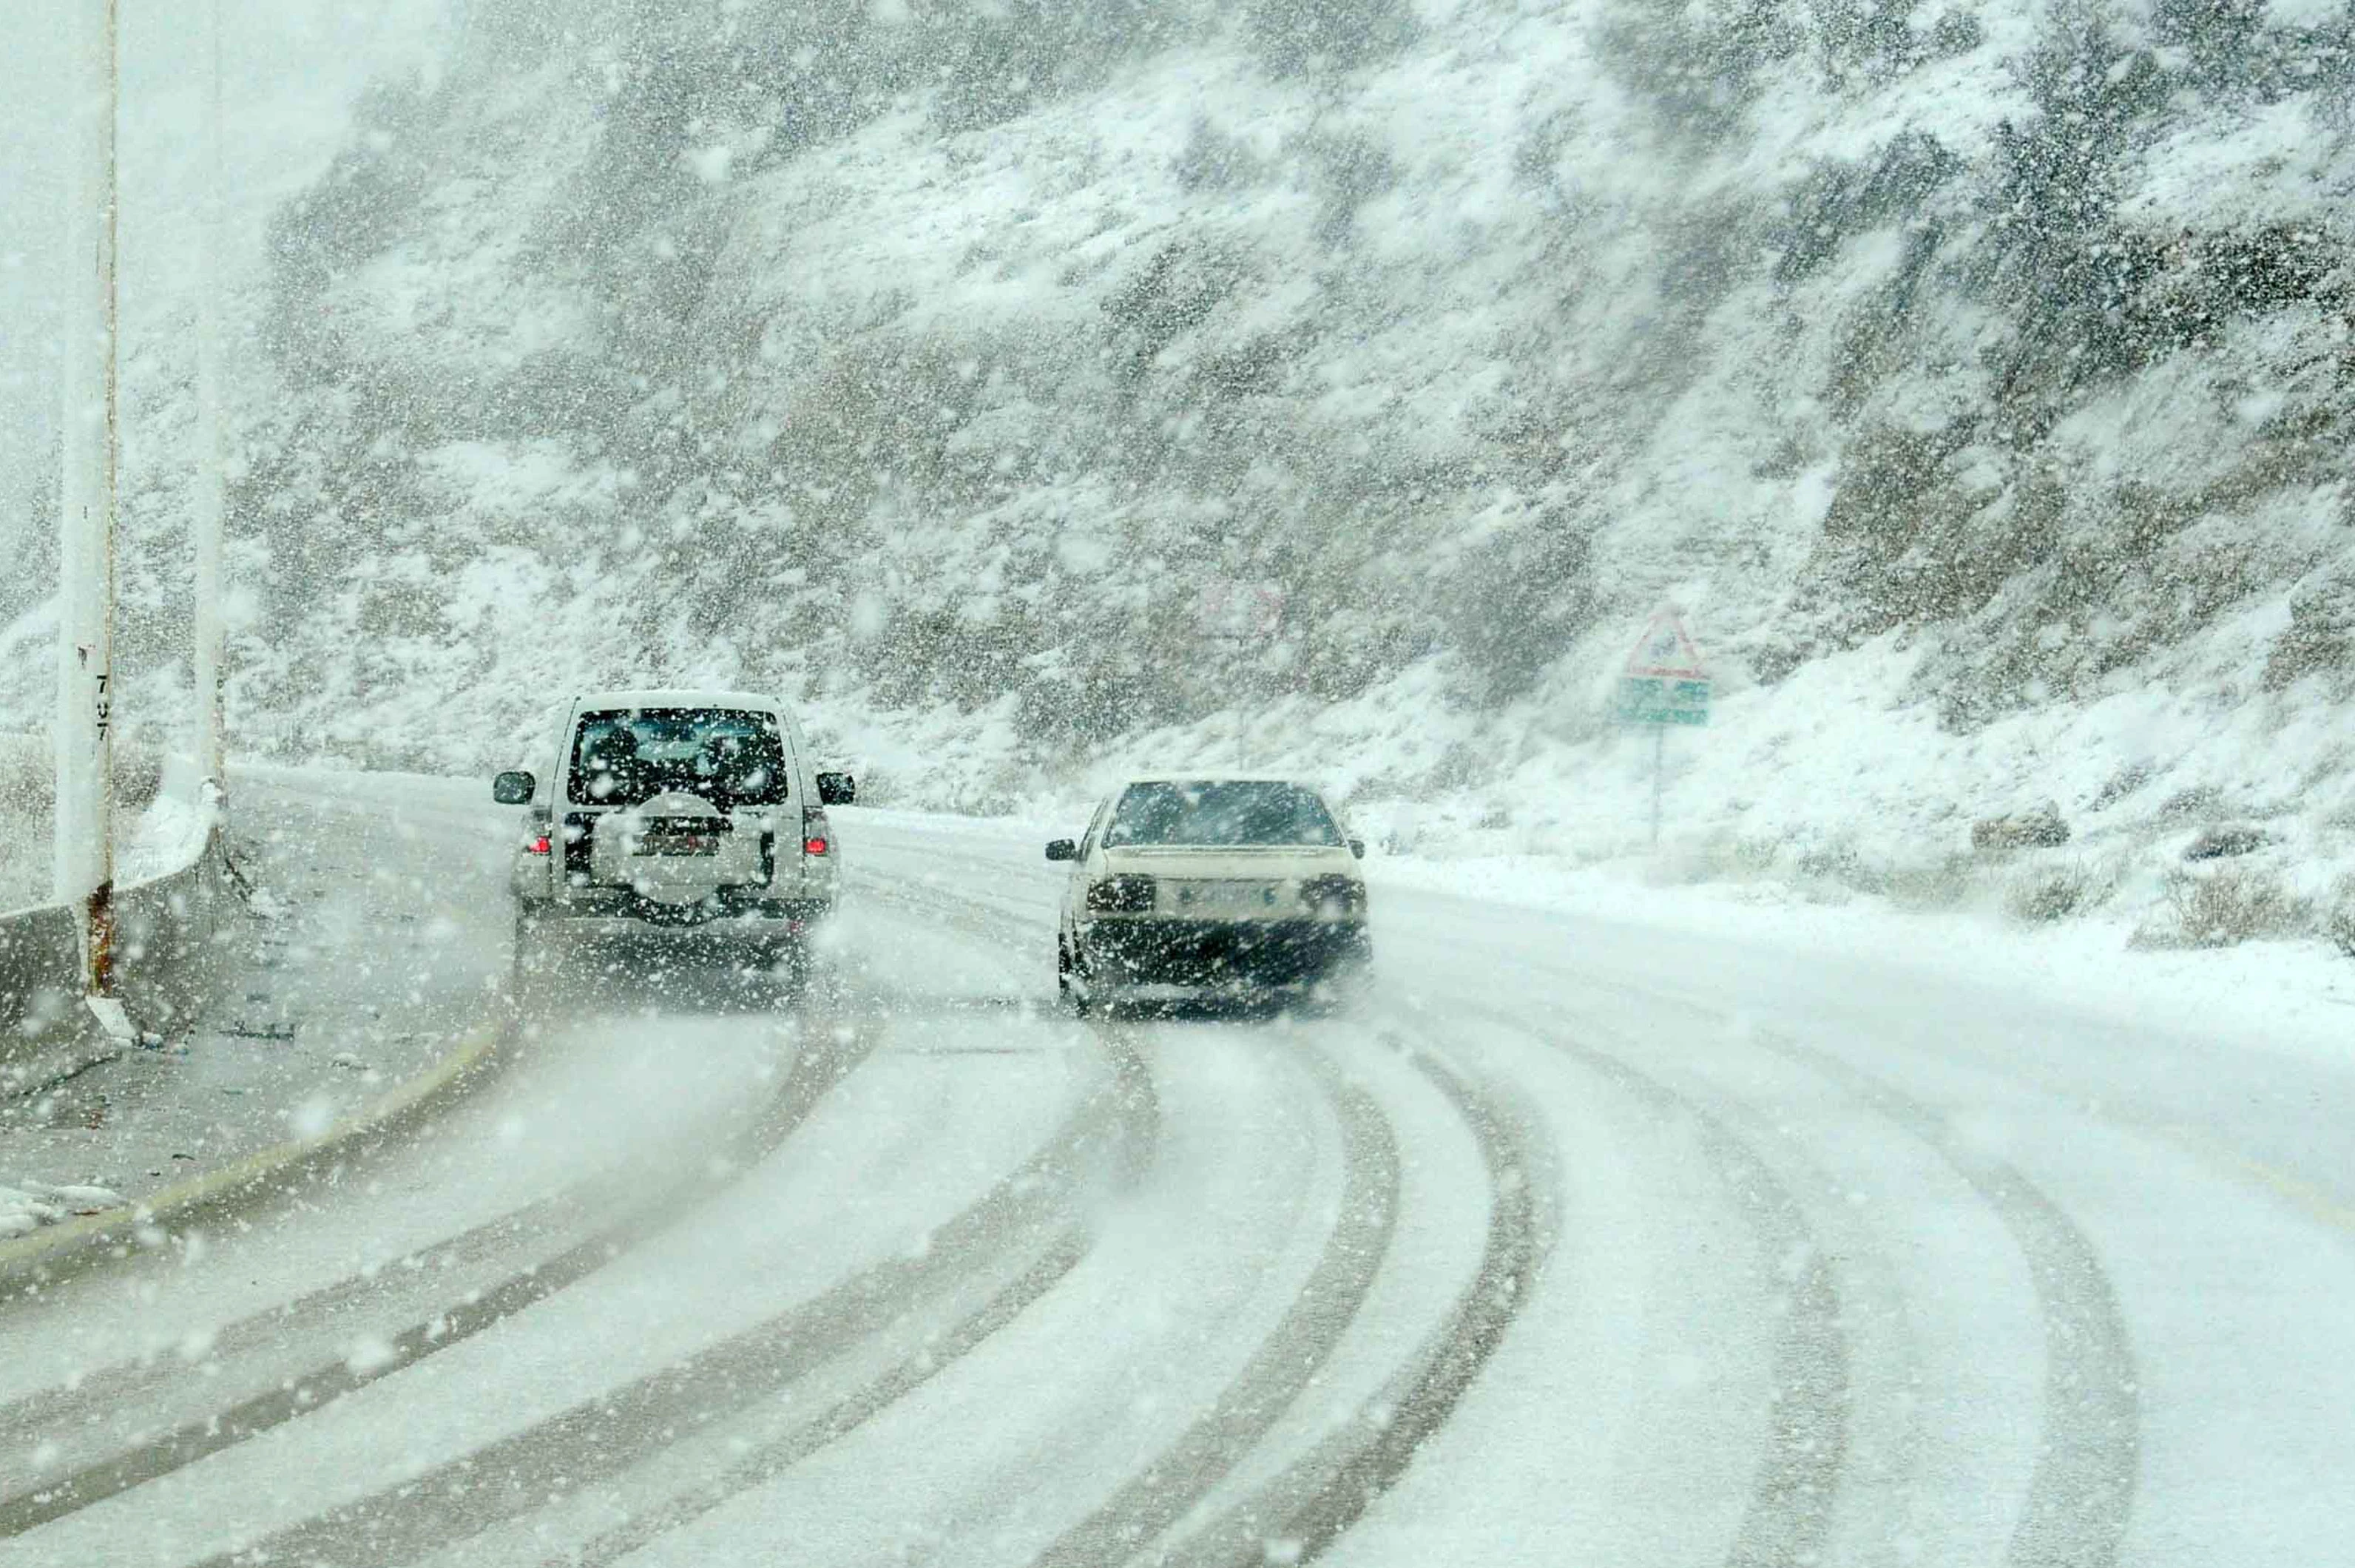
(1667, 649)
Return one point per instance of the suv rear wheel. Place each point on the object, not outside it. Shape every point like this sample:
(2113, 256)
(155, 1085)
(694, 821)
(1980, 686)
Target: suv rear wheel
(1067, 995)
(531, 948)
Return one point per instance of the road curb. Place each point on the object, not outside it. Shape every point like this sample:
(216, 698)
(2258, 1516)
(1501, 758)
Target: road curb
(50, 1254)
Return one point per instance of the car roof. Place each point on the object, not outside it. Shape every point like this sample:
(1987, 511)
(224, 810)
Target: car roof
(1213, 775)
(676, 697)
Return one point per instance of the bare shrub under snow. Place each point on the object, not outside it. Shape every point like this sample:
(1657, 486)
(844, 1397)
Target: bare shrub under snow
(2051, 893)
(2040, 829)
(2223, 909)
(1939, 883)
(2339, 924)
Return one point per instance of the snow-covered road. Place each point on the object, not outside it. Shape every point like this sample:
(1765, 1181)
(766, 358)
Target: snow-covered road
(1579, 1240)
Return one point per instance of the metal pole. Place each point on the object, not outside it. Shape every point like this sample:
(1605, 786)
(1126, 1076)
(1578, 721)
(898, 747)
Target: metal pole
(85, 800)
(212, 468)
(1659, 747)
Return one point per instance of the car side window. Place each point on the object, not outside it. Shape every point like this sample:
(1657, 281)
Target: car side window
(1095, 826)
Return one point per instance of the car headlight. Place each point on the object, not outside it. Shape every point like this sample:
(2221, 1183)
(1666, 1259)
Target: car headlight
(1335, 895)
(1129, 894)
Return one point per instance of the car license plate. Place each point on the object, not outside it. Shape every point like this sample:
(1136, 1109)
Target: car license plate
(1226, 898)
(675, 843)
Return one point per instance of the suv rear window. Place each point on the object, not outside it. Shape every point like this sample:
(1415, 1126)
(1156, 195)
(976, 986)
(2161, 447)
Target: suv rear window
(726, 755)
(1221, 813)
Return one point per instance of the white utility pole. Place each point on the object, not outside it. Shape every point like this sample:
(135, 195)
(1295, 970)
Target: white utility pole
(212, 482)
(85, 730)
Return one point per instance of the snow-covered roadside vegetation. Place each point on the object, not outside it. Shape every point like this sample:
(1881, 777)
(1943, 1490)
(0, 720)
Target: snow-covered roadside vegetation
(1976, 376)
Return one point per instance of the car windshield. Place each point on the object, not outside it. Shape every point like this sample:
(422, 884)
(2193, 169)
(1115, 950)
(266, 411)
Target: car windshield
(1205, 813)
(726, 755)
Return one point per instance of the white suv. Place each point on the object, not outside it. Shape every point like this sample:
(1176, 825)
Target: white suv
(1184, 886)
(688, 813)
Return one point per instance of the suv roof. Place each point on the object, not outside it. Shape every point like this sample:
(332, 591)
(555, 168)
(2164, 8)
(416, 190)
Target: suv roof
(676, 697)
(1214, 775)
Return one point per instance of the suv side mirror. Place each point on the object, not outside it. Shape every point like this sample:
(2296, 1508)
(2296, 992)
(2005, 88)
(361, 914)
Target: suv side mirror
(837, 789)
(513, 789)
(1358, 848)
(1062, 849)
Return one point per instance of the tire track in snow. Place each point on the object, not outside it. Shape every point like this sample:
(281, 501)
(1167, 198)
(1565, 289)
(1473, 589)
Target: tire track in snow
(1285, 1363)
(1313, 1501)
(828, 1058)
(1297, 1515)
(1788, 1517)
(1027, 1227)
(774, 1457)
(2080, 1492)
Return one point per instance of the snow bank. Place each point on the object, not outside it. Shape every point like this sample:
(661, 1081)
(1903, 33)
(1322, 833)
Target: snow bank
(27, 1206)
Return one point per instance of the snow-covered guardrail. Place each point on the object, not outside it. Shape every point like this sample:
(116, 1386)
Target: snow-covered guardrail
(164, 906)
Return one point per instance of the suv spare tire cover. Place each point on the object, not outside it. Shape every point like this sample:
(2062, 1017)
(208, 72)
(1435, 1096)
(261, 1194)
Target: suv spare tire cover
(674, 879)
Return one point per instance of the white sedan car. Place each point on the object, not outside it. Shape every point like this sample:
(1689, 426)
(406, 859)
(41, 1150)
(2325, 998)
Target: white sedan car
(1186, 886)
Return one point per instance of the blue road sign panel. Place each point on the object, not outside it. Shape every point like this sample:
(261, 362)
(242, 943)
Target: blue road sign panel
(1660, 699)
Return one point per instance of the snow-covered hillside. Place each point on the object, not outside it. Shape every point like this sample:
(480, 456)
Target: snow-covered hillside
(1975, 376)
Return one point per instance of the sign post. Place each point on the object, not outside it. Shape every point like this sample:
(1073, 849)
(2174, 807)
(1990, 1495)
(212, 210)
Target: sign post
(1665, 684)
(1239, 614)
(85, 786)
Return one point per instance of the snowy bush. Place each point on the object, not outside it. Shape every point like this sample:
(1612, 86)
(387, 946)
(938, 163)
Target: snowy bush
(2338, 924)
(1932, 884)
(1837, 863)
(2042, 828)
(2223, 843)
(2053, 893)
(2223, 909)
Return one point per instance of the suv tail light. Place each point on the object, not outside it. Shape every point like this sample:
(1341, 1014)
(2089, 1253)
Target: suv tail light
(1129, 894)
(538, 844)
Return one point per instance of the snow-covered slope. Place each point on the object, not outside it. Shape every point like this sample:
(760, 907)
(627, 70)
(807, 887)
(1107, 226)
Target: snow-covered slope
(1976, 376)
